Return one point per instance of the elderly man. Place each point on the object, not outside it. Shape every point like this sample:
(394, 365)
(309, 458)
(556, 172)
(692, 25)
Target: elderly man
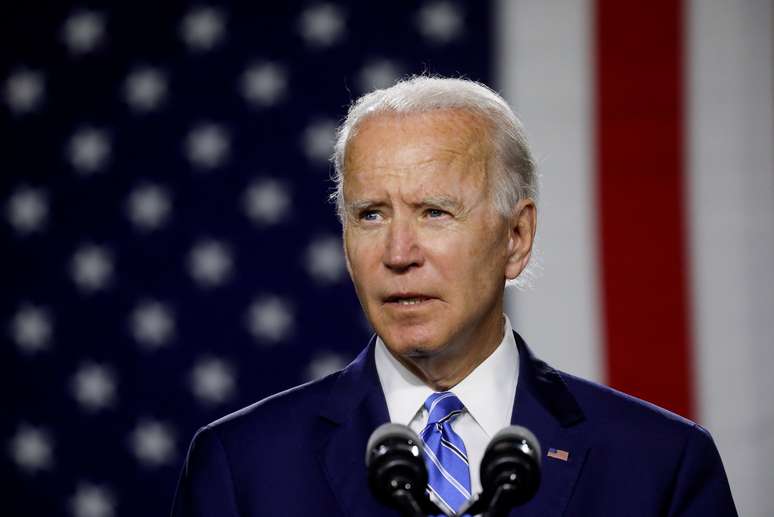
(436, 194)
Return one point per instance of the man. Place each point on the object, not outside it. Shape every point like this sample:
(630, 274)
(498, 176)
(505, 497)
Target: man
(436, 194)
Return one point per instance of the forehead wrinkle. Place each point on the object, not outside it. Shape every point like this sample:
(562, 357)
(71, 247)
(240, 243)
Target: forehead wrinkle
(465, 140)
(403, 189)
(444, 201)
(468, 133)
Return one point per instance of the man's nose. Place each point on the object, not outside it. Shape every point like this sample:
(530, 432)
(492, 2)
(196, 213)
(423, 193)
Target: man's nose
(402, 250)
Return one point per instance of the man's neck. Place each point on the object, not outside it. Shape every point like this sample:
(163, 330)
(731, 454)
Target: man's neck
(444, 371)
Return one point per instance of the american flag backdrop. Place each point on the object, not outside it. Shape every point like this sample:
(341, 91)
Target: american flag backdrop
(168, 252)
(168, 255)
(653, 126)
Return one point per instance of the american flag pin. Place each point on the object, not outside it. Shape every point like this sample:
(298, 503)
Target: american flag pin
(558, 454)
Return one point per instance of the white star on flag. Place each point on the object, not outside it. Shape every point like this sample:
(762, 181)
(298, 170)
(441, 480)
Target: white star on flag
(83, 31)
(145, 89)
(213, 381)
(377, 74)
(94, 387)
(266, 201)
(210, 263)
(89, 150)
(27, 210)
(24, 91)
(149, 207)
(318, 140)
(92, 500)
(207, 146)
(324, 259)
(203, 28)
(92, 268)
(153, 443)
(31, 449)
(324, 364)
(264, 84)
(270, 319)
(152, 324)
(322, 25)
(440, 22)
(31, 329)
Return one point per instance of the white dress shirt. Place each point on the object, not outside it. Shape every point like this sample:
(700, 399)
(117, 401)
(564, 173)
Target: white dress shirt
(487, 393)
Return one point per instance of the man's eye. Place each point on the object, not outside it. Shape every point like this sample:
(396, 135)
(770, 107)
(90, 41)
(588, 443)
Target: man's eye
(435, 213)
(369, 215)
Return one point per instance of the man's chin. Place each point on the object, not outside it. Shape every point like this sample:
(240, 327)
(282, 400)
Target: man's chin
(413, 347)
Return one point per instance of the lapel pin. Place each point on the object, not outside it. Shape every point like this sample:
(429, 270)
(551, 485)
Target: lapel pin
(558, 454)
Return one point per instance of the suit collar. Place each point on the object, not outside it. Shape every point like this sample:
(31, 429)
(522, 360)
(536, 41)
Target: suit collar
(354, 408)
(359, 380)
(543, 404)
(356, 383)
(537, 379)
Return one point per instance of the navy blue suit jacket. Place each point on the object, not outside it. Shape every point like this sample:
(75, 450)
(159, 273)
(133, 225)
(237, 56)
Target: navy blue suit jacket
(301, 452)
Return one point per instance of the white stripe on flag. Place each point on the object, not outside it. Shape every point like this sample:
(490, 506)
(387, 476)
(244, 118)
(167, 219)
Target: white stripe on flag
(730, 184)
(545, 69)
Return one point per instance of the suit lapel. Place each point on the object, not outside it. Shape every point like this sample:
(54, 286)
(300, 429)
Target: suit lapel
(355, 407)
(545, 406)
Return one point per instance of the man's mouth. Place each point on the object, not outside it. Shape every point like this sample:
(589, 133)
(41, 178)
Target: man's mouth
(406, 300)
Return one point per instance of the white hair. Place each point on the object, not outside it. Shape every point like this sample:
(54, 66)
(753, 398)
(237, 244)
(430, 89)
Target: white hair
(514, 178)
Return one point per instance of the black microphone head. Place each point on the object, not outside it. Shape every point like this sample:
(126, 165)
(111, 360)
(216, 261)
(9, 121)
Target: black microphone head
(512, 461)
(395, 462)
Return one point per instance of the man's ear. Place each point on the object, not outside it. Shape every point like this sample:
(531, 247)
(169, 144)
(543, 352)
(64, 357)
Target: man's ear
(522, 225)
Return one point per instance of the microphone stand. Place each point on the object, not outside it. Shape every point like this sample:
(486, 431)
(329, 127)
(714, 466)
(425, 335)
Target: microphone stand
(407, 504)
(501, 503)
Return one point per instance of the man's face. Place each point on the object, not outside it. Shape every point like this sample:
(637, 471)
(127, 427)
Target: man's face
(426, 250)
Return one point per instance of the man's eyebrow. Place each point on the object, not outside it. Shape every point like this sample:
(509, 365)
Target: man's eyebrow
(356, 206)
(445, 202)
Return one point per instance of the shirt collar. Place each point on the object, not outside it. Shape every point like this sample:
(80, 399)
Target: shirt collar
(404, 392)
(487, 392)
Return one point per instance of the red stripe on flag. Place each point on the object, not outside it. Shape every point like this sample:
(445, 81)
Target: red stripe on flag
(640, 187)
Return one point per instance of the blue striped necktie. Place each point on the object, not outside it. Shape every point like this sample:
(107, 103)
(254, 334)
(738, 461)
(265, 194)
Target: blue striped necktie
(445, 454)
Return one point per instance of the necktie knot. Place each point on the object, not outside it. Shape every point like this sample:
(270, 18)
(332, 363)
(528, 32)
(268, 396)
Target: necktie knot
(443, 407)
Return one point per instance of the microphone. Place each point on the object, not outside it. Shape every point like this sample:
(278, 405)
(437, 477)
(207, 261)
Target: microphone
(510, 472)
(397, 474)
